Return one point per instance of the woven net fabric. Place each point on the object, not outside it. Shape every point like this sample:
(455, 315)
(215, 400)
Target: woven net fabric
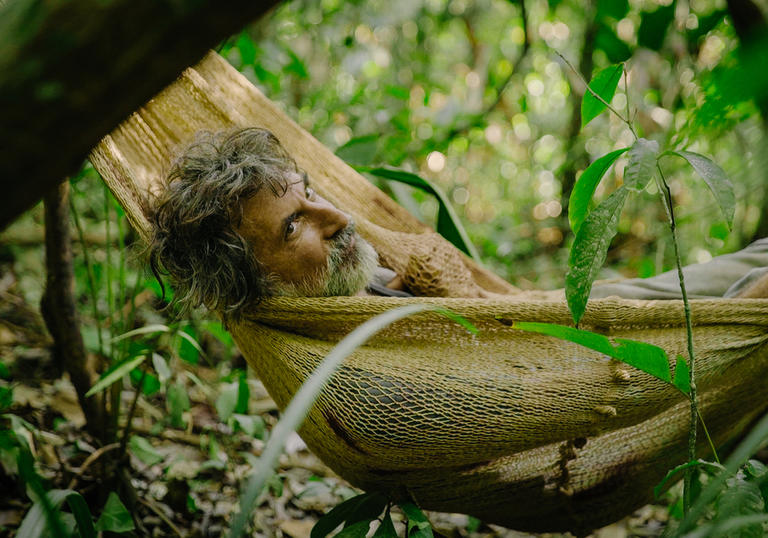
(512, 427)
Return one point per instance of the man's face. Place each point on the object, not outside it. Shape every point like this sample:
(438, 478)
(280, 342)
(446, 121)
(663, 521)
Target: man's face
(308, 245)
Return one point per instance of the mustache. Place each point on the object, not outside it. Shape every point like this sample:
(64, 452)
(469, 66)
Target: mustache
(342, 239)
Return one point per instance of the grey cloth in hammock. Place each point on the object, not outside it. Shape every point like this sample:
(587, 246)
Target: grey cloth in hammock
(723, 276)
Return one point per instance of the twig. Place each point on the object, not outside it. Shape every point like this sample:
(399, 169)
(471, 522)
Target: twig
(596, 96)
(503, 86)
(88, 461)
(151, 505)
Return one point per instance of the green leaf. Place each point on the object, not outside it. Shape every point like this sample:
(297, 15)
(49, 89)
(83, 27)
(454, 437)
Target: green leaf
(604, 84)
(177, 402)
(418, 524)
(589, 250)
(339, 514)
(369, 508)
(151, 383)
(296, 66)
(144, 451)
(357, 530)
(641, 165)
(386, 529)
(674, 473)
(147, 329)
(360, 150)
(448, 223)
(607, 41)
(581, 196)
(6, 398)
(115, 517)
(754, 440)
(303, 400)
(716, 180)
(741, 498)
(35, 524)
(253, 425)
(682, 378)
(115, 373)
(227, 400)
(247, 49)
(648, 358)
(161, 367)
(653, 26)
(188, 347)
(243, 395)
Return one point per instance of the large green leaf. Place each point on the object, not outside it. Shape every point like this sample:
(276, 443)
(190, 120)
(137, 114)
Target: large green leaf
(589, 250)
(338, 515)
(115, 517)
(581, 196)
(448, 223)
(641, 165)
(604, 84)
(646, 357)
(716, 180)
(115, 373)
(34, 524)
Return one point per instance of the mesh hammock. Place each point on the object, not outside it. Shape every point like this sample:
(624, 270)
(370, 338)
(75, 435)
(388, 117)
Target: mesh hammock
(514, 428)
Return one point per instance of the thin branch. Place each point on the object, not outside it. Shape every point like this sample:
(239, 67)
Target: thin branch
(596, 96)
(456, 131)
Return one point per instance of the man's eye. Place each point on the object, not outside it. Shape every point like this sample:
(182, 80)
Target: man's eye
(290, 229)
(309, 192)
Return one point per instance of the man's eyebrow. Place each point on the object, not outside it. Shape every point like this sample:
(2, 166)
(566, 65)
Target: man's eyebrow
(305, 177)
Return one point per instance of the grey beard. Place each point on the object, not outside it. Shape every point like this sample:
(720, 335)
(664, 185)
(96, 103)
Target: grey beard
(336, 279)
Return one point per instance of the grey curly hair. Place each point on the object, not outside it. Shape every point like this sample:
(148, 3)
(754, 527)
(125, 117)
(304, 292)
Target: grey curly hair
(194, 220)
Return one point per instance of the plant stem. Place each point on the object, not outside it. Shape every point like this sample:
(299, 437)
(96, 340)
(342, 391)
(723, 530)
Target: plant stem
(688, 479)
(596, 96)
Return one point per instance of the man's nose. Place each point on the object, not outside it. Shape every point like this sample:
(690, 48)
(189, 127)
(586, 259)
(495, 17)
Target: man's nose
(330, 219)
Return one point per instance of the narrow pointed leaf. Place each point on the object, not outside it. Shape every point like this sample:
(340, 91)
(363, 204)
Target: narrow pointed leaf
(641, 165)
(604, 84)
(716, 180)
(356, 530)
(578, 205)
(645, 357)
(386, 529)
(338, 515)
(590, 249)
(682, 379)
(716, 467)
(448, 223)
(115, 373)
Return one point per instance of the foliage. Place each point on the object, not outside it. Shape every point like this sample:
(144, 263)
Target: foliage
(471, 104)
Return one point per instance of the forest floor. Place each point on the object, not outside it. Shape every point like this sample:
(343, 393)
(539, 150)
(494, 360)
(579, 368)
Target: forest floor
(179, 481)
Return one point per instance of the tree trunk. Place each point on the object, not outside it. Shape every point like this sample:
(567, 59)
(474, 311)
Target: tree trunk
(59, 309)
(70, 71)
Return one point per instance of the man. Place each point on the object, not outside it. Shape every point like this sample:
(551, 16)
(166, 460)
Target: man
(239, 221)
